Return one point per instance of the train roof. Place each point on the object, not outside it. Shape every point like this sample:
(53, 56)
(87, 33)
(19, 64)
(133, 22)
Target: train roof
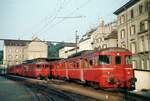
(40, 60)
(110, 49)
(81, 53)
(114, 49)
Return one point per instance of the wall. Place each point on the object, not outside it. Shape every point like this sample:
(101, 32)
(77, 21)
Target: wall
(143, 79)
(37, 50)
(85, 45)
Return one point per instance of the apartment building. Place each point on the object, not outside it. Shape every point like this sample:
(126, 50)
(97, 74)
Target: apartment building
(104, 36)
(133, 20)
(85, 42)
(17, 51)
(67, 50)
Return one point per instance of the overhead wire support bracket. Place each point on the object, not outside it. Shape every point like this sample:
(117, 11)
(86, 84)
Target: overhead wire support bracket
(71, 17)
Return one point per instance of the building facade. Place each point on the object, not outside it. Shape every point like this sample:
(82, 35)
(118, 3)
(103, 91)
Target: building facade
(36, 49)
(85, 42)
(67, 50)
(133, 20)
(104, 36)
(17, 51)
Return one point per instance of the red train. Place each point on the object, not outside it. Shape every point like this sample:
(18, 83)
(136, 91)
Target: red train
(107, 68)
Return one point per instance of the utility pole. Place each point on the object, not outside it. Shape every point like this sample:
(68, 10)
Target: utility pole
(76, 39)
(149, 30)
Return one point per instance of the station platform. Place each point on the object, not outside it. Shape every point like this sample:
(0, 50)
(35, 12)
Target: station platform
(13, 91)
(142, 93)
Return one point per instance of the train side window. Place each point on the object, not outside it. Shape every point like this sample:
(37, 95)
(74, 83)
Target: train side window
(90, 63)
(85, 63)
(46, 66)
(128, 60)
(57, 66)
(104, 59)
(118, 59)
(38, 66)
(51, 66)
(78, 65)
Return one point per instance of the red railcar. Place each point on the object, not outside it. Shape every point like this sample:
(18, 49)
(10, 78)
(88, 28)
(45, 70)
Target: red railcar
(108, 68)
(35, 70)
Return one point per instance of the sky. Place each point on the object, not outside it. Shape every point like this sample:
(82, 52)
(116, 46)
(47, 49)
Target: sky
(23, 19)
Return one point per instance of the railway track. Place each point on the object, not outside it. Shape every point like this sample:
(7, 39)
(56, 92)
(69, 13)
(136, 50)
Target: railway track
(58, 91)
(42, 92)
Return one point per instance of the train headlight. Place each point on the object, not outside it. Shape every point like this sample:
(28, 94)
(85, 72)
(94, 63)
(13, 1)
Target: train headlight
(108, 73)
(110, 80)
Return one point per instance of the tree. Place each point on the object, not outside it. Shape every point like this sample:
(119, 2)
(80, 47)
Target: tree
(1, 57)
(53, 49)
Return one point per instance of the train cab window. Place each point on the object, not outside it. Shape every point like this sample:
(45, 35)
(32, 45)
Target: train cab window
(128, 60)
(118, 59)
(104, 59)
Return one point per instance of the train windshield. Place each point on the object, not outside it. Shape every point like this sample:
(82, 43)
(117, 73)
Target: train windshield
(118, 60)
(103, 59)
(128, 59)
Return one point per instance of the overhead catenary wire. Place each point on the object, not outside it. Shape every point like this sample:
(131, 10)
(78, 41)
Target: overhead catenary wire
(43, 20)
(76, 9)
(51, 19)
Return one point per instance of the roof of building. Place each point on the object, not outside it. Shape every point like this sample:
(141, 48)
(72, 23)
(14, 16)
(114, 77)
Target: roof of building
(126, 6)
(87, 35)
(16, 42)
(70, 45)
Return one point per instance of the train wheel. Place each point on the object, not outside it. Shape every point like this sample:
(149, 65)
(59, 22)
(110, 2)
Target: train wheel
(39, 77)
(96, 85)
(46, 78)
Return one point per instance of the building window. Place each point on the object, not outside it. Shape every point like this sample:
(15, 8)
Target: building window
(143, 26)
(9, 50)
(17, 56)
(132, 30)
(148, 64)
(141, 43)
(17, 50)
(140, 9)
(122, 19)
(9, 63)
(10, 56)
(146, 25)
(100, 39)
(123, 46)
(142, 64)
(17, 62)
(147, 5)
(122, 33)
(133, 47)
(104, 46)
(146, 42)
(132, 13)
(134, 64)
